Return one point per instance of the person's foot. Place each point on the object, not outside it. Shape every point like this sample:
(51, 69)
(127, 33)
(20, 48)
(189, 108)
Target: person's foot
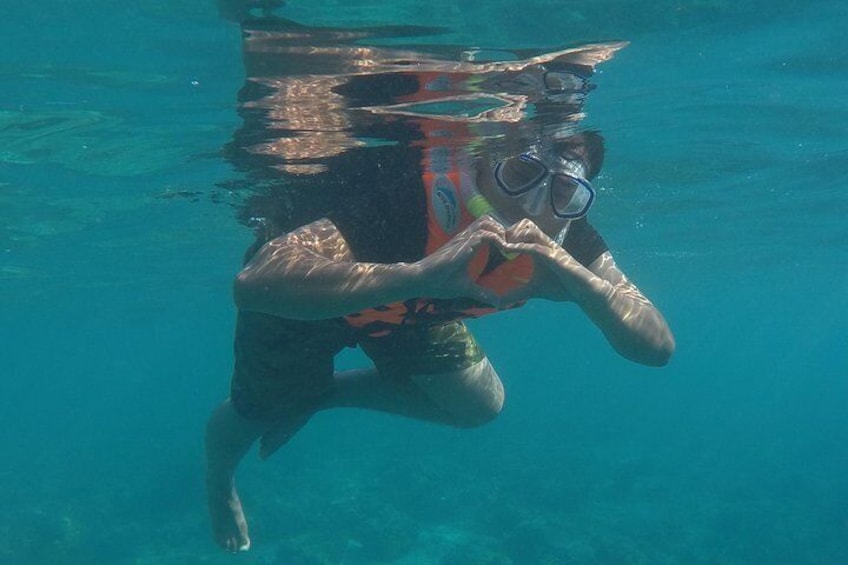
(229, 525)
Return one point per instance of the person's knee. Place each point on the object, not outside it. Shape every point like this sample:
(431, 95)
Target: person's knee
(473, 397)
(481, 412)
(488, 403)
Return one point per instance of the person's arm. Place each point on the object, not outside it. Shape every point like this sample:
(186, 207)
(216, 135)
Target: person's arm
(311, 274)
(631, 323)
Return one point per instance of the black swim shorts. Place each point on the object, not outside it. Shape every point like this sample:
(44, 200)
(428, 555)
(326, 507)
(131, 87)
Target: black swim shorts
(284, 367)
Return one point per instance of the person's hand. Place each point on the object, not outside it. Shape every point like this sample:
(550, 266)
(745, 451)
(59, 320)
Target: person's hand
(537, 267)
(553, 265)
(454, 269)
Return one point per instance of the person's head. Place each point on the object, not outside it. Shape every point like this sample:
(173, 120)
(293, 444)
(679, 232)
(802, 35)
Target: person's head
(548, 185)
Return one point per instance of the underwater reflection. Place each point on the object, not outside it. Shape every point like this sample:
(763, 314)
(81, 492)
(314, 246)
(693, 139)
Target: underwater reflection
(313, 94)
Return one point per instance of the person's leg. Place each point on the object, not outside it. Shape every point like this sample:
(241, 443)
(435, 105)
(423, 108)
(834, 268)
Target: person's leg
(464, 398)
(228, 437)
(282, 369)
(436, 373)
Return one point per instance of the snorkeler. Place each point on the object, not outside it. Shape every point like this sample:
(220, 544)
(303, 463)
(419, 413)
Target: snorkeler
(477, 231)
(304, 296)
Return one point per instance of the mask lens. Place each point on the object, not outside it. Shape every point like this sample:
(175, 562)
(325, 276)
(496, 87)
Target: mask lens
(517, 175)
(570, 197)
(560, 81)
(565, 87)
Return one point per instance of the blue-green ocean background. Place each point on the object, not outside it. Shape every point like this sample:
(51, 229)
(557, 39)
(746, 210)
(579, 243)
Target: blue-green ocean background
(723, 196)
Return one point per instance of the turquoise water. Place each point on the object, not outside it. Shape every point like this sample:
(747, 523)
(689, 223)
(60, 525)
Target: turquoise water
(722, 197)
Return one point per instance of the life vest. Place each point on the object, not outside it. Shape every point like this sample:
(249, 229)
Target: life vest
(448, 184)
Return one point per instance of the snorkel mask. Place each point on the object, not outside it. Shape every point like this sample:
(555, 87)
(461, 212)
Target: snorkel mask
(557, 181)
(563, 184)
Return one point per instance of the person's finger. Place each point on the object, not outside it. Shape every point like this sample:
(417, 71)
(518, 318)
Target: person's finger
(482, 238)
(541, 252)
(488, 224)
(525, 230)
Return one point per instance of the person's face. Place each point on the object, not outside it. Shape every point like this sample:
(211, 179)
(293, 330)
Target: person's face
(511, 209)
(548, 187)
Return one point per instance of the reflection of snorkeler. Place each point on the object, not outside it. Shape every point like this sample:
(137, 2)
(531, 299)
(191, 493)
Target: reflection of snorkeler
(494, 230)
